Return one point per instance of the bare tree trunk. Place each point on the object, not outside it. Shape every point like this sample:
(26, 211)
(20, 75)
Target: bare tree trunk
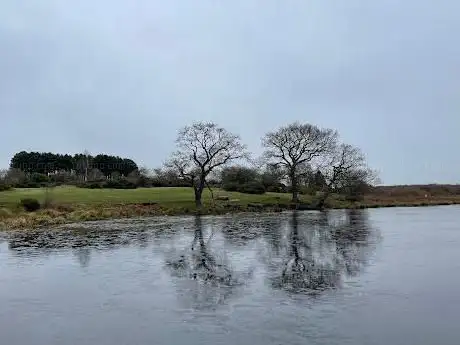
(199, 192)
(294, 187)
(212, 194)
(323, 198)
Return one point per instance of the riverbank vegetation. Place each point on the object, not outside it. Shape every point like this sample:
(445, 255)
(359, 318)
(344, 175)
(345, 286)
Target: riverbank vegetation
(66, 204)
(211, 171)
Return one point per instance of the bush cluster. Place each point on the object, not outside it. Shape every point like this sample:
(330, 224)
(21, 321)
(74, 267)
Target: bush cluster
(253, 187)
(30, 205)
(279, 188)
(157, 182)
(5, 187)
(116, 184)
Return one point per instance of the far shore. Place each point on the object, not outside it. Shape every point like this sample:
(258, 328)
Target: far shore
(63, 205)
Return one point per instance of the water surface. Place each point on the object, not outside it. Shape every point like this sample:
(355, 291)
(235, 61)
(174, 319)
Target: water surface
(384, 276)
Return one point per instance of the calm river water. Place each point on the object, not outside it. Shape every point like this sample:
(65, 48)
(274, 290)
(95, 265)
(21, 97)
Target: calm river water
(383, 276)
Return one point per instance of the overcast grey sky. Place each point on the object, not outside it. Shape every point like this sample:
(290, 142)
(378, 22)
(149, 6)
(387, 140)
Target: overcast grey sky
(120, 77)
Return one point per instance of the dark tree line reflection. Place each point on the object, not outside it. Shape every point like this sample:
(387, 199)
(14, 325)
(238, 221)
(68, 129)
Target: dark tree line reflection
(199, 263)
(320, 250)
(301, 270)
(213, 278)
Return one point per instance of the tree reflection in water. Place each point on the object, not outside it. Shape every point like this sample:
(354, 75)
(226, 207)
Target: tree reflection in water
(204, 265)
(318, 253)
(354, 244)
(210, 278)
(83, 256)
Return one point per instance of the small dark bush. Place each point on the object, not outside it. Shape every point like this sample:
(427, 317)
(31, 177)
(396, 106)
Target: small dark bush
(29, 184)
(231, 186)
(91, 185)
(119, 184)
(4, 187)
(30, 205)
(158, 182)
(252, 188)
(144, 181)
(277, 188)
(39, 178)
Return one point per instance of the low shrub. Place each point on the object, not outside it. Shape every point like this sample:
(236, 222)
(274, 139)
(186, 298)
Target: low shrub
(30, 184)
(119, 184)
(30, 205)
(39, 178)
(252, 188)
(114, 184)
(91, 185)
(144, 181)
(4, 187)
(231, 186)
(277, 189)
(166, 183)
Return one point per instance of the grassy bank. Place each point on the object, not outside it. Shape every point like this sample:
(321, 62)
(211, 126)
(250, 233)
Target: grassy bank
(71, 204)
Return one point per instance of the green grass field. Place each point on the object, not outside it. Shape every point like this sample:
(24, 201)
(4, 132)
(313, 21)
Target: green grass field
(67, 204)
(173, 196)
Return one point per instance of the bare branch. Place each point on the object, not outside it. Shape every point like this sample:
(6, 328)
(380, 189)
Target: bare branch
(202, 148)
(295, 145)
(345, 170)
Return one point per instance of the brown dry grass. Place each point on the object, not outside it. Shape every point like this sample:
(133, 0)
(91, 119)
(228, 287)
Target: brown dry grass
(413, 195)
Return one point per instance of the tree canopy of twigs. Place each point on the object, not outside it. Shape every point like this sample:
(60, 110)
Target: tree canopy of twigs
(345, 170)
(297, 145)
(202, 148)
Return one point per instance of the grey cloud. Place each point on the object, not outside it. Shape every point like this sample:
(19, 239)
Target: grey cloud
(121, 77)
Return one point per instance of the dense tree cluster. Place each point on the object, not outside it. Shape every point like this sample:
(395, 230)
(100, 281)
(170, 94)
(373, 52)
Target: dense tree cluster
(39, 169)
(47, 162)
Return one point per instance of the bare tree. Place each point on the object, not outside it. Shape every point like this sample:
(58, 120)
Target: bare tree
(202, 148)
(345, 169)
(297, 145)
